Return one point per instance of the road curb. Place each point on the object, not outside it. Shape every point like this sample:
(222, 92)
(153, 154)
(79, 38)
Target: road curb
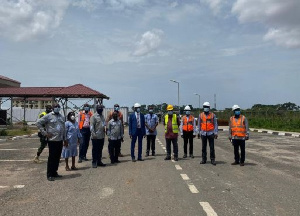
(278, 133)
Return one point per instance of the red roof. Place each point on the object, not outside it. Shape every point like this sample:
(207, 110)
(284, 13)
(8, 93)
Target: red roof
(8, 79)
(74, 91)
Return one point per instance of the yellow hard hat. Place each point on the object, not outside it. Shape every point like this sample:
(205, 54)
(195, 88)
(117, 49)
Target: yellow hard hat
(169, 107)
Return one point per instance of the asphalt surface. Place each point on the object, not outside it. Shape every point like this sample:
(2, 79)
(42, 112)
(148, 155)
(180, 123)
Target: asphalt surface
(268, 184)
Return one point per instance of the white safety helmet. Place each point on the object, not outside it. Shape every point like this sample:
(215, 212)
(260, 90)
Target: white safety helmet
(187, 108)
(136, 105)
(234, 107)
(206, 104)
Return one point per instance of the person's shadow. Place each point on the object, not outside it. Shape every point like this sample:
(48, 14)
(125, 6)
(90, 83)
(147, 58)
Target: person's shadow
(70, 176)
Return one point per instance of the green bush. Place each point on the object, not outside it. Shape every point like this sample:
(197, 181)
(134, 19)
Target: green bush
(3, 132)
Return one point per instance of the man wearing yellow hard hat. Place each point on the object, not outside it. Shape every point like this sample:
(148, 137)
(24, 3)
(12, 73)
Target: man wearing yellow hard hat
(171, 123)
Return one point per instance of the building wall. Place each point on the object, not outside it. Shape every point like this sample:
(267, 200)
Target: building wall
(41, 104)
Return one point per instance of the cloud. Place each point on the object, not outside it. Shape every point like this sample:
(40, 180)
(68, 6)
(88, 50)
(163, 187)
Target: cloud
(89, 5)
(149, 42)
(123, 4)
(27, 19)
(215, 5)
(280, 17)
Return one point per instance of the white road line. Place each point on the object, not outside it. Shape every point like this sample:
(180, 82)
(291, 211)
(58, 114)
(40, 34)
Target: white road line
(16, 149)
(165, 150)
(208, 209)
(3, 187)
(172, 160)
(193, 189)
(178, 167)
(15, 160)
(164, 147)
(19, 186)
(185, 177)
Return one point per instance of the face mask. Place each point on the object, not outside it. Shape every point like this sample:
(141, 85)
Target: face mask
(138, 110)
(86, 109)
(150, 111)
(170, 112)
(72, 118)
(56, 110)
(99, 111)
(206, 109)
(117, 108)
(188, 112)
(237, 113)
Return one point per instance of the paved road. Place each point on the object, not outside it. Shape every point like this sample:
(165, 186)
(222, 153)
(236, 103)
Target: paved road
(268, 184)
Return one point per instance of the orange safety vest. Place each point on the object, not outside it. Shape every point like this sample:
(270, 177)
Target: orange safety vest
(207, 122)
(82, 118)
(238, 128)
(188, 125)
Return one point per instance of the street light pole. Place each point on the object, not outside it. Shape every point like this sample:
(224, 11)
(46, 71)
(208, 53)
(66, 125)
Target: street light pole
(178, 91)
(199, 99)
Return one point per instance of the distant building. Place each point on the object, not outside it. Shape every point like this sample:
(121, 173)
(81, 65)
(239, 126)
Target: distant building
(6, 82)
(32, 103)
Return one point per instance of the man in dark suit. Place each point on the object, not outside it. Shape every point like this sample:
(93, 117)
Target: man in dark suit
(137, 131)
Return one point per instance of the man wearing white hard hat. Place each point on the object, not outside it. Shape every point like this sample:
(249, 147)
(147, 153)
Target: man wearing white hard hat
(137, 131)
(238, 133)
(208, 130)
(188, 131)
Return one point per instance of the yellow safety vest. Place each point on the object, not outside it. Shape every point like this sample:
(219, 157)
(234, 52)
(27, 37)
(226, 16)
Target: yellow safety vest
(42, 114)
(174, 123)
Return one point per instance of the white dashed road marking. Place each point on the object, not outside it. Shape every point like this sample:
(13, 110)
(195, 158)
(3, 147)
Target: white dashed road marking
(208, 209)
(164, 148)
(178, 167)
(16, 149)
(193, 189)
(15, 160)
(185, 177)
(15, 186)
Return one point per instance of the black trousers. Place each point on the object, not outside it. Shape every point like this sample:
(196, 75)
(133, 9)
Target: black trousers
(211, 140)
(175, 147)
(239, 144)
(84, 145)
(97, 150)
(151, 141)
(55, 148)
(114, 148)
(188, 137)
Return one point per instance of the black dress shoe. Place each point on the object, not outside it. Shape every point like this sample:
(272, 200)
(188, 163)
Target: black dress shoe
(118, 161)
(184, 156)
(94, 165)
(213, 162)
(58, 176)
(101, 164)
(133, 160)
(175, 158)
(85, 159)
(235, 163)
(79, 160)
(202, 162)
(153, 153)
(147, 154)
(242, 164)
(140, 159)
(51, 179)
(191, 156)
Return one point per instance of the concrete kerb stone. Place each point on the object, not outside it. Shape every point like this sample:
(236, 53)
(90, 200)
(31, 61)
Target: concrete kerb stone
(279, 133)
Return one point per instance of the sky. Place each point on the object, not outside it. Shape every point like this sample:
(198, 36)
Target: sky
(245, 51)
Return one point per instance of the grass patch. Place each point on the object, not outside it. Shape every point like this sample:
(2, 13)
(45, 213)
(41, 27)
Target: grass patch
(17, 132)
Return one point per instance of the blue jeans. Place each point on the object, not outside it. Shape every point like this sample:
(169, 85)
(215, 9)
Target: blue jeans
(138, 136)
(97, 150)
(84, 145)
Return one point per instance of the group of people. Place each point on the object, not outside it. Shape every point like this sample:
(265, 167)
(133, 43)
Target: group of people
(64, 137)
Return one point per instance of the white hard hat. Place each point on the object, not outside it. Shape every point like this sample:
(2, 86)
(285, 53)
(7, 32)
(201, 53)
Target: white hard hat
(206, 104)
(234, 107)
(187, 108)
(137, 105)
